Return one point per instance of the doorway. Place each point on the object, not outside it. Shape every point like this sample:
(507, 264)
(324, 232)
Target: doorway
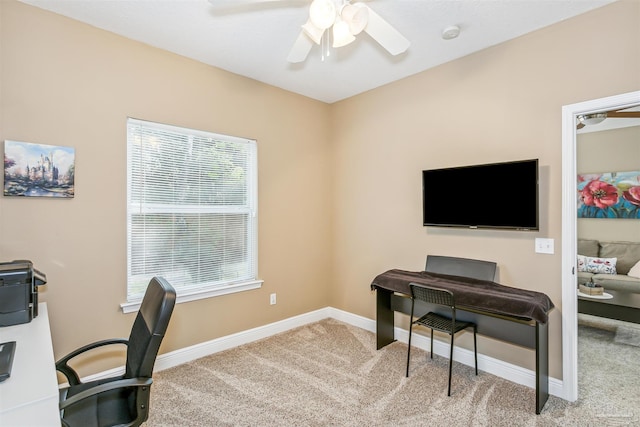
(569, 230)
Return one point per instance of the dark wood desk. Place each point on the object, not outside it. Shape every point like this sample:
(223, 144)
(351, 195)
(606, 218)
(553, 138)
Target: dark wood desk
(527, 333)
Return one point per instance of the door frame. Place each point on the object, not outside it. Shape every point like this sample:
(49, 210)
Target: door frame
(569, 231)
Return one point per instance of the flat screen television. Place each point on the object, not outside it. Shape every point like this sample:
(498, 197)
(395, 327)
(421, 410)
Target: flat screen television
(497, 195)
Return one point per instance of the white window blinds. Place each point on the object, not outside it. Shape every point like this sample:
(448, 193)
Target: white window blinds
(191, 208)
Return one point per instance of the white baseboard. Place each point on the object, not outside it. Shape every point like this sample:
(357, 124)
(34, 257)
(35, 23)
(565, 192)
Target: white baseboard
(487, 364)
(187, 354)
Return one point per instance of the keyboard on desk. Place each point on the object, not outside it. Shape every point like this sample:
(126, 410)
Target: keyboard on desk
(7, 349)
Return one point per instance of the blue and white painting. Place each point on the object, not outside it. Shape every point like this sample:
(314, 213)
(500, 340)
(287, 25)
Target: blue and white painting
(38, 170)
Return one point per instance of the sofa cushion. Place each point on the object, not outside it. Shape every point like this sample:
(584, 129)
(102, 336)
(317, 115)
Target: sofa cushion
(597, 265)
(628, 254)
(588, 247)
(617, 282)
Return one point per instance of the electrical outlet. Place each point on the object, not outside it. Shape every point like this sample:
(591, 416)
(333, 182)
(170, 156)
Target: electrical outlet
(544, 246)
(272, 299)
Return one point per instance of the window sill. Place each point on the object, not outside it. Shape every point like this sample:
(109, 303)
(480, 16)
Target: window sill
(130, 307)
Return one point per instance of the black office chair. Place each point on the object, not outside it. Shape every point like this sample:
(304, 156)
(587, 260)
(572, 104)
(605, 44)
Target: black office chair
(439, 322)
(121, 400)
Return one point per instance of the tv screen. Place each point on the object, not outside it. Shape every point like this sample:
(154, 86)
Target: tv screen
(497, 195)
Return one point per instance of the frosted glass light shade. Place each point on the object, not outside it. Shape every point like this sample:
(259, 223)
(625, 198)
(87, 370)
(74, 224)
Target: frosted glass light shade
(356, 17)
(341, 34)
(322, 13)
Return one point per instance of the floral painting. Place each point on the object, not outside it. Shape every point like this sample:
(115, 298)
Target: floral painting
(37, 170)
(609, 195)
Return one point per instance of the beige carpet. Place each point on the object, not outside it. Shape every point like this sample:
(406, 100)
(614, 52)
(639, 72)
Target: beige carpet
(330, 374)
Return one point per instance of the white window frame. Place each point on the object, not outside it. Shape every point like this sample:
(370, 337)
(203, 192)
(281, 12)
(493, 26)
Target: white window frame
(185, 294)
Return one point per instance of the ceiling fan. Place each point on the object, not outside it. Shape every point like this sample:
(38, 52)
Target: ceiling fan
(340, 20)
(595, 118)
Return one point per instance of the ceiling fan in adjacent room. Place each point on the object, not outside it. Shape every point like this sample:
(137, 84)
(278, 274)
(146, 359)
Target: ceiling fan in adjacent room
(596, 118)
(338, 20)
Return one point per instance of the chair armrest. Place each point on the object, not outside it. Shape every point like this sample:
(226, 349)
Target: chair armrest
(72, 376)
(101, 388)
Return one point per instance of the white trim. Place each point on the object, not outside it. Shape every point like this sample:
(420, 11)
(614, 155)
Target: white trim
(569, 232)
(487, 364)
(130, 307)
(497, 367)
(188, 354)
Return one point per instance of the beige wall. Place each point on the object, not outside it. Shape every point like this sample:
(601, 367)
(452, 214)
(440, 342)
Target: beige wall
(66, 83)
(615, 150)
(352, 168)
(503, 103)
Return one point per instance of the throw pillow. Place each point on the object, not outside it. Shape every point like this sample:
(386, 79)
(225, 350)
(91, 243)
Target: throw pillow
(597, 265)
(635, 271)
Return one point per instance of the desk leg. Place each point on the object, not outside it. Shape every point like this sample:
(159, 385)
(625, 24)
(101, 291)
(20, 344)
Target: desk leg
(384, 318)
(542, 365)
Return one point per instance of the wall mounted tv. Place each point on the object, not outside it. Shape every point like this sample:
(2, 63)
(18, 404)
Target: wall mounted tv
(496, 195)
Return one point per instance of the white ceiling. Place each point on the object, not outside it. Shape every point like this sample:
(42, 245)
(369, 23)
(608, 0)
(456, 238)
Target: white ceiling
(253, 38)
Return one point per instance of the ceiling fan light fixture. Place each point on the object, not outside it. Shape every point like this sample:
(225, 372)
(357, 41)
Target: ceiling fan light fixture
(356, 17)
(348, 18)
(341, 34)
(592, 119)
(322, 13)
(313, 32)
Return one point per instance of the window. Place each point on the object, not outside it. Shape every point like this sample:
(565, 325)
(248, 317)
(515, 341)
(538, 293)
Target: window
(191, 211)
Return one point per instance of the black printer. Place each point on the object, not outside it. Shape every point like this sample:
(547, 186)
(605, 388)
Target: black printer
(19, 283)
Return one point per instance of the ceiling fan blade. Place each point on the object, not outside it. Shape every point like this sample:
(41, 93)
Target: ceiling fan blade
(579, 125)
(624, 114)
(383, 33)
(300, 49)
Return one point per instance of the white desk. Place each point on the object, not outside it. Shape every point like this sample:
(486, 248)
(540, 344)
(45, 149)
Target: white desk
(29, 397)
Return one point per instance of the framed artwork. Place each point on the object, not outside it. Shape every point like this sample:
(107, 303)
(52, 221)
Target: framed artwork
(609, 195)
(38, 170)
